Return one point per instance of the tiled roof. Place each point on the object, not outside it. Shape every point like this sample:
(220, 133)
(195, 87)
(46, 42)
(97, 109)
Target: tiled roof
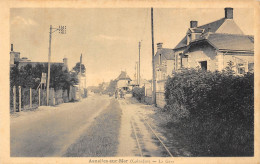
(182, 43)
(167, 53)
(232, 41)
(123, 76)
(228, 41)
(210, 27)
(213, 26)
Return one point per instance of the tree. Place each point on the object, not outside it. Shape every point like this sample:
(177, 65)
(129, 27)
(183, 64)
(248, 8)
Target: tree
(111, 87)
(74, 78)
(76, 68)
(14, 76)
(30, 77)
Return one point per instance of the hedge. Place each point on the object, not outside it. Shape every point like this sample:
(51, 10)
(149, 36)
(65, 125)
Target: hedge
(139, 93)
(214, 111)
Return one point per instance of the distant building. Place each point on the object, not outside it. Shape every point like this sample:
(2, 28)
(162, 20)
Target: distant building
(123, 81)
(212, 46)
(15, 59)
(14, 56)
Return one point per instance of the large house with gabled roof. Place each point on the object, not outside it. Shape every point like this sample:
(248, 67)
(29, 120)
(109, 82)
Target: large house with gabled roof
(212, 46)
(209, 47)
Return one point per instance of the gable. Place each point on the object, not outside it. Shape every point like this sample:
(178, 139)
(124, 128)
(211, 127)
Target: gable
(229, 27)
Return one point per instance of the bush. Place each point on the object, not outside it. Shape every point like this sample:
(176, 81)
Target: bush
(215, 111)
(139, 93)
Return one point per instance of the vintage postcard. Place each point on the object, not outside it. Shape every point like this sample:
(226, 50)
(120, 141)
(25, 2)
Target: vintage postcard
(127, 82)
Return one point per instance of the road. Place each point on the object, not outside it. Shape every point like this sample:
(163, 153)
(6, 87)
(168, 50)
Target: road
(97, 126)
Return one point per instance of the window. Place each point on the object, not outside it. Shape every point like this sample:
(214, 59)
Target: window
(160, 59)
(203, 65)
(250, 67)
(241, 70)
(180, 56)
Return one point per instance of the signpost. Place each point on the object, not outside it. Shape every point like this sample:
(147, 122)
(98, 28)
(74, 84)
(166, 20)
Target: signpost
(43, 79)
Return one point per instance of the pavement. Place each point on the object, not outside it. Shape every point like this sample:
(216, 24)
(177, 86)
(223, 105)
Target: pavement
(49, 132)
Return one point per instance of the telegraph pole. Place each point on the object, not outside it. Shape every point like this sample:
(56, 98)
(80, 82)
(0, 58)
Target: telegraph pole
(139, 72)
(49, 67)
(62, 30)
(80, 76)
(154, 80)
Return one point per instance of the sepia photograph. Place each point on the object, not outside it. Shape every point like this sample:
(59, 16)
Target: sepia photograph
(131, 83)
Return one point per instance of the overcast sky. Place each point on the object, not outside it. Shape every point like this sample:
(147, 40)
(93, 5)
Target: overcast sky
(108, 38)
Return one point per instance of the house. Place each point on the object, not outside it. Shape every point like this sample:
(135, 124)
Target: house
(15, 59)
(123, 81)
(164, 65)
(209, 47)
(212, 46)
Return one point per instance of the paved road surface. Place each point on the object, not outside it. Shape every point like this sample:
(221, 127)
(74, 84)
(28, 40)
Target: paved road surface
(98, 126)
(50, 133)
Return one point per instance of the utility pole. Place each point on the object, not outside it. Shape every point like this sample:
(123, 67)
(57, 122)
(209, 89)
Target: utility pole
(80, 76)
(139, 76)
(62, 30)
(49, 67)
(154, 80)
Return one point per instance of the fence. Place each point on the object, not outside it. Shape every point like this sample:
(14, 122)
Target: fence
(27, 98)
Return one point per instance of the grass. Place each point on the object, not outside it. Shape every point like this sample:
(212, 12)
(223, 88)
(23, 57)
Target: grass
(101, 138)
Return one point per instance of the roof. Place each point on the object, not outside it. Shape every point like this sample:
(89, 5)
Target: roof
(210, 27)
(232, 41)
(167, 53)
(182, 43)
(229, 41)
(123, 76)
(219, 26)
(213, 26)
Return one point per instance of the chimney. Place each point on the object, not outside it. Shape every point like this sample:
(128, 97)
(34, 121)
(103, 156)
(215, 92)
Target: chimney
(65, 61)
(12, 48)
(193, 24)
(229, 13)
(159, 46)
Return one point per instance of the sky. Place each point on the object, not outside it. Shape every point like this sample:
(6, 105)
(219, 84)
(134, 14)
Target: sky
(108, 37)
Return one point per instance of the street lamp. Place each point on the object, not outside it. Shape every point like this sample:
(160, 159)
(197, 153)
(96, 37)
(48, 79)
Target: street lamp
(62, 30)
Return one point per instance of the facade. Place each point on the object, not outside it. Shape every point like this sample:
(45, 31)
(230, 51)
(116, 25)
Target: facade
(164, 65)
(214, 45)
(123, 81)
(164, 61)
